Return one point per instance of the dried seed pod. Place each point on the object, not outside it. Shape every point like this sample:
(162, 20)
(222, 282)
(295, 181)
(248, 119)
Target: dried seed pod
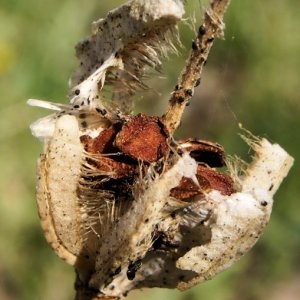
(117, 196)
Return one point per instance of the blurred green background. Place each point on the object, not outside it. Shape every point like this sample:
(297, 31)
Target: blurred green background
(252, 77)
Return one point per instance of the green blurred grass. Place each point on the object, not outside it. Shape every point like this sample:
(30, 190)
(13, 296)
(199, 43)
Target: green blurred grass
(252, 77)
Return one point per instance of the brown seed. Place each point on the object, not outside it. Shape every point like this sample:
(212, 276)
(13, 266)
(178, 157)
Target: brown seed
(206, 152)
(103, 143)
(186, 189)
(143, 138)
(209, 177)
(114, 166)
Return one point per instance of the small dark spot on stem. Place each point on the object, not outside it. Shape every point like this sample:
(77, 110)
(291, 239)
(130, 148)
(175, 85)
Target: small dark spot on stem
(179, 99)
(189, 92)
(202, 30)
(194, 45)
(198, 81)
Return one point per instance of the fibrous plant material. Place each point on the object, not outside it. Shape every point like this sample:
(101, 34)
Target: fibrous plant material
(118, 197)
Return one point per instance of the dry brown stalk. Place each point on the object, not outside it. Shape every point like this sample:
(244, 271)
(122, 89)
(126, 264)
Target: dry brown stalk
(211, 28)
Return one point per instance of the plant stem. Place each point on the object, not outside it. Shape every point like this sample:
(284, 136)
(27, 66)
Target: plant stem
(190, 77)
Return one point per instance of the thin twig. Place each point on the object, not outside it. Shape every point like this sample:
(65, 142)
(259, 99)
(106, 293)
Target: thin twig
(212, 27)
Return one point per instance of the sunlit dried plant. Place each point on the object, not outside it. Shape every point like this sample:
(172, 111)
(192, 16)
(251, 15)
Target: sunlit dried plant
(118, 197)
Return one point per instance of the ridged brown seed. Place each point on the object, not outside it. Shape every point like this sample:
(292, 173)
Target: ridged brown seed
(202, 151)
(210, 179)
(208, 156)
(107, 160)
(143, 138)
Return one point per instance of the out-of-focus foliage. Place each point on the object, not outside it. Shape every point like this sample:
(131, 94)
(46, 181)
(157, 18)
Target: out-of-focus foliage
(252, 77)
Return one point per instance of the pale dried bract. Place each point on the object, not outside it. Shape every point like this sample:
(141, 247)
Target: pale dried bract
(130, 38)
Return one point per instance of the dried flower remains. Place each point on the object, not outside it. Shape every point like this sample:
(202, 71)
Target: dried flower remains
(118, 197)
